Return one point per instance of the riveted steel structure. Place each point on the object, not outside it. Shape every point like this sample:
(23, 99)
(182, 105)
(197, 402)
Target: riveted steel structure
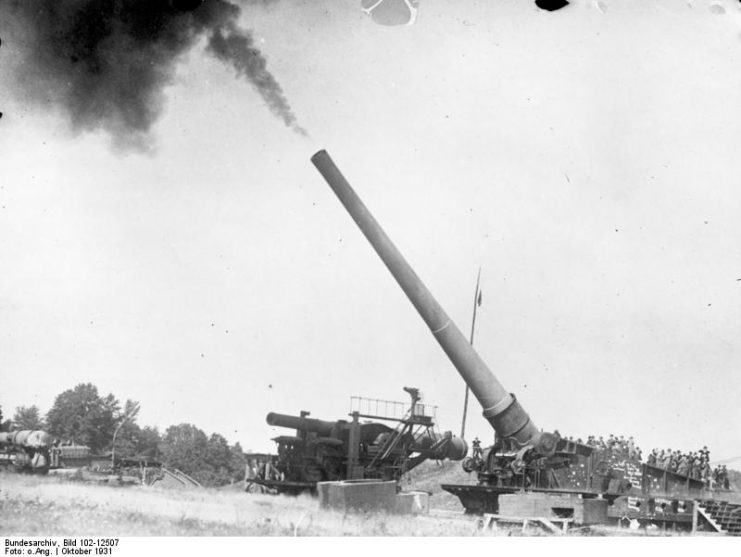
(385, 448)
(527, 468)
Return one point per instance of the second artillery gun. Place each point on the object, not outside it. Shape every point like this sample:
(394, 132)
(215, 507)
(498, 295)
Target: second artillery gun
(532, 472)
(354, 450)
(26, 450)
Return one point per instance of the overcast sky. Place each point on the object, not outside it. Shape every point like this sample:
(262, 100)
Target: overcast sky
(587, 160)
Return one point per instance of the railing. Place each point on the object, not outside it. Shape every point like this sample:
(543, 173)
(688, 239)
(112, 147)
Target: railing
(389, 409)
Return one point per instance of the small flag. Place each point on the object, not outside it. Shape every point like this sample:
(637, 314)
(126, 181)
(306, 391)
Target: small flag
(478, 302)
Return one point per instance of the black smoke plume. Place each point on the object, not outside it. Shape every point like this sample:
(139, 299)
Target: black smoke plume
(105, 62)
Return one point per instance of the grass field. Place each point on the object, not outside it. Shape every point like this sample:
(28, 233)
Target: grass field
(34, 505)
(53, 506)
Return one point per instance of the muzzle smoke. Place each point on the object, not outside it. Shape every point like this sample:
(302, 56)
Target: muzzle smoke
(105, 62)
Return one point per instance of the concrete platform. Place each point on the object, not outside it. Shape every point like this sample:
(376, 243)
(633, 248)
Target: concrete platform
(554, 506)
(371, 496)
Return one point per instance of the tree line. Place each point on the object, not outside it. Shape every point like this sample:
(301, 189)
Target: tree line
(82, 416)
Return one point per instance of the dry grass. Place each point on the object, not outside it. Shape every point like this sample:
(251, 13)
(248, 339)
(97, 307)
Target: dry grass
(53, 506)
(430, 474)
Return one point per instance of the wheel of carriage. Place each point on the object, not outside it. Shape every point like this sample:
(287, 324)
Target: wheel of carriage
(468, 464)
(312, 473)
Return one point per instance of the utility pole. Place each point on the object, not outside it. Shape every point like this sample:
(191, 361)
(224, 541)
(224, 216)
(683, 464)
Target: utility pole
(476, 304)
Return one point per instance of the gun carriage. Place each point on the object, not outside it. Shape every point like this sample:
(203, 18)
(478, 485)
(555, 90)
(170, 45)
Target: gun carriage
(527, 469)
(401, 437)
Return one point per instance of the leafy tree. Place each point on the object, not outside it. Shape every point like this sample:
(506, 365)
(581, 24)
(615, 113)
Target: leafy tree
(185, 447)
(4, 425)
(237, 462)
(83, 416)
(124, 443)
(133, 440)
(210, 460)
(218, 460)
(147, 441)
(27, 417)
(734, 476)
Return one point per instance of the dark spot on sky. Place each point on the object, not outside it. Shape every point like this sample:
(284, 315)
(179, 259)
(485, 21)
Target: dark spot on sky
(551, 5)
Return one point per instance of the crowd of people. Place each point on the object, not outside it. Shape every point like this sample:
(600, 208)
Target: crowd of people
(613, 448)
(694, 464)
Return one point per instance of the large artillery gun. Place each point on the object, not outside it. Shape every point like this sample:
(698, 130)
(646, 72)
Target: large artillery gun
(37, 452)
(528, 470)
(399, 437)
(26, 450)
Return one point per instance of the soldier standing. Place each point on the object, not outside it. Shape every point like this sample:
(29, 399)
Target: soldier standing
(697, 467)
(683, 467)
(622, 447)
(706, 473)
(671, 460)
(477, 452)
(631, 448)
(600, 447)
(726, 481)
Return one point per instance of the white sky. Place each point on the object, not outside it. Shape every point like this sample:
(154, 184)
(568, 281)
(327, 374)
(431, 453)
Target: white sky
(586, 159)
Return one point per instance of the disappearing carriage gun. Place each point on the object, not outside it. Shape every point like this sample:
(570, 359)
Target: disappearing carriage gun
(26, 451)
(559, 476)
(37, 452)
(352, 450)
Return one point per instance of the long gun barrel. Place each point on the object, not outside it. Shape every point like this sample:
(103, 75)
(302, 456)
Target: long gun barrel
(36, 439)
(320, 427)
(501, 408)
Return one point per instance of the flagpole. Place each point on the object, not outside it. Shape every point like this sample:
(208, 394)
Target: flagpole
(476, 304)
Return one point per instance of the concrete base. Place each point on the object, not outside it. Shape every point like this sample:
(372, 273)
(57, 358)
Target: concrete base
(413, 502)
(371, 495)
(553, 505)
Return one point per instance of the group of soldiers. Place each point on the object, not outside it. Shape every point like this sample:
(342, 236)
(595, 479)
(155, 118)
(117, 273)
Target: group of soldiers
(616, 447)
(695, 464)
(720, 477)
(613, 448)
